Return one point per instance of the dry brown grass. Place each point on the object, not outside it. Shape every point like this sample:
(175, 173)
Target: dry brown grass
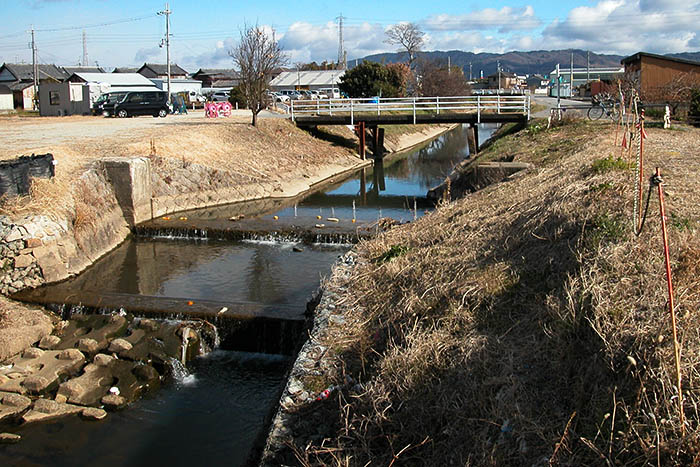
(524, 324)
(275, 151)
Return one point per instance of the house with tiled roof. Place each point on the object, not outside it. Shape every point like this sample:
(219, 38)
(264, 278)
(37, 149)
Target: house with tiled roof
(124, 69)
(217, 77)
(154, 70)
(19, 78)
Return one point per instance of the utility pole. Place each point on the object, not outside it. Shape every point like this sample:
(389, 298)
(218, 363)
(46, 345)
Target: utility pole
(571, 84)
(167, 13)
(498, 64)
(35, 72)
(85, 55)
(588, 66)
(449, 64)
(558, 93)
(470, 71)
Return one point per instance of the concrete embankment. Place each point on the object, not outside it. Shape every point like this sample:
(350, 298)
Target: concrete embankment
(101, 202)
(115, 193)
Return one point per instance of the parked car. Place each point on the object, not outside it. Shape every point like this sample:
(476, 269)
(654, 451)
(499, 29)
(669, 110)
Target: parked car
(277, 97)
(331, 93)
(220, 96)
(291, 94)
(140, 103)
(107, 99)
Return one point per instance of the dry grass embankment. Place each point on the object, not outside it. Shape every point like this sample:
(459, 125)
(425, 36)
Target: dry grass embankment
(524, 324)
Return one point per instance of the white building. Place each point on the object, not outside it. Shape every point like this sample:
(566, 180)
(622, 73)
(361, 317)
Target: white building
(100, 83)
(312, 80)
(6, 100)
(192, 87)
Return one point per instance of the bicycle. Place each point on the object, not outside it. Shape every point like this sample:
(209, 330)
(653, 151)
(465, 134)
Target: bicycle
(604, 106)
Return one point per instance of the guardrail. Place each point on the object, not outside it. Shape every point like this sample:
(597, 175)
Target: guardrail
(416, 105)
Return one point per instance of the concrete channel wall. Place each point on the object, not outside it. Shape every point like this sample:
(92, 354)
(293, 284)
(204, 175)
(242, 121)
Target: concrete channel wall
(120, 192)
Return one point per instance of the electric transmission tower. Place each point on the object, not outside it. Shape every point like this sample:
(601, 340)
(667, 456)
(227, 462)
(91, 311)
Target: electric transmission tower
(341, 45)
(85, 55)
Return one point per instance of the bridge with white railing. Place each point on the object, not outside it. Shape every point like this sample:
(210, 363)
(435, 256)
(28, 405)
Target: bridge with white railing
(366, 114)
(410, 110)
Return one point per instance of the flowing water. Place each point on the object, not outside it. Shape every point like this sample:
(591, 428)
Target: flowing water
(217, 407)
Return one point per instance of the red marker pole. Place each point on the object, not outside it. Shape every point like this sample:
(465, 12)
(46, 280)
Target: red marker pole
(676, 347)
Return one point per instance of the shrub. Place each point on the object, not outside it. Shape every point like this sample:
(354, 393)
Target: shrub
(609, 163)
(694, 112)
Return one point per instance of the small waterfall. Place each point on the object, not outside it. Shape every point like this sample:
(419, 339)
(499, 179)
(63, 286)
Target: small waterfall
(186, 233)
(209, 339)
(185, 343)
(180, 373)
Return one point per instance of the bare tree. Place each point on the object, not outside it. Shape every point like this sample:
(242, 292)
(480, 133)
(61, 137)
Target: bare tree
(436, 79)
(408, 36)
(256, 56)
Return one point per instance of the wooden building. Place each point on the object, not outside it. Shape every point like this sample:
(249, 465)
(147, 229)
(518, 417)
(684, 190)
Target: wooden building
(507, 79)
(225, 78)
(19, 77)
(655, 73)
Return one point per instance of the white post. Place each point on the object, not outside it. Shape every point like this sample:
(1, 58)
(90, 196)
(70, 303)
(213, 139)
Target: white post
(437, 104)
(478, 109)
(379, 111)
(291, 107)
(498, 102)
(414, 110)
(352, 115)
(528, 103)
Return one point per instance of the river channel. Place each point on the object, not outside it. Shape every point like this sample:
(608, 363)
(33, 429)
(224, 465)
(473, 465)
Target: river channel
(217, 411)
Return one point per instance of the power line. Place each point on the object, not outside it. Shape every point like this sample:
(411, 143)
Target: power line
(97, 25)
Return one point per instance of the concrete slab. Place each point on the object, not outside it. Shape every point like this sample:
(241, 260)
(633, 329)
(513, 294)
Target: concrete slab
(45, 409)
(98, 328)
(11, 405)
(38, 371)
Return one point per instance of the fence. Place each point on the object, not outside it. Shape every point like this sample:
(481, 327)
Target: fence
(415, 105)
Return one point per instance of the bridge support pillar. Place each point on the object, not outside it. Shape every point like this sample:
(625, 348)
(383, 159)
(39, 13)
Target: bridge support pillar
(377, 141)
(360, 131)
(473, 139)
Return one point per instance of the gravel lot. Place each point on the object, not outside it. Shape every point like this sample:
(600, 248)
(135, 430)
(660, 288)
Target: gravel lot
(24, 135)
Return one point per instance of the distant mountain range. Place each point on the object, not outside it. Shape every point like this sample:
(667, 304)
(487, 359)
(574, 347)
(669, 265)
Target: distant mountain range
(540, 62)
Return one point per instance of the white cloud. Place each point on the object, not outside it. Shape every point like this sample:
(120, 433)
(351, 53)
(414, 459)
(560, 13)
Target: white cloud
(218, 57)
(306, 42)
(627, 26)
(474, 42)
(505, 20)
(148, 54)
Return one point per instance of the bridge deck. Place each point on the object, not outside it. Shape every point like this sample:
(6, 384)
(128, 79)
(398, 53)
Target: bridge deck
(408, 119)
(411, 110)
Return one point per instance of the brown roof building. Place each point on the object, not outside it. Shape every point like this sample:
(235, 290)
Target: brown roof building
(655, 73)
(154, 70)
(217, 77)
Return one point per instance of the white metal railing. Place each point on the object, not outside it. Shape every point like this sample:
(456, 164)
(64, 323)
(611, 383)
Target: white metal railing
(413, 105)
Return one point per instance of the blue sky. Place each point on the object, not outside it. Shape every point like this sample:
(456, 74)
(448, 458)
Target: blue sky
(128, 32)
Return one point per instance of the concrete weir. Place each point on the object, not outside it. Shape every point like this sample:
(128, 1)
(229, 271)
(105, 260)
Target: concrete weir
(131, 181)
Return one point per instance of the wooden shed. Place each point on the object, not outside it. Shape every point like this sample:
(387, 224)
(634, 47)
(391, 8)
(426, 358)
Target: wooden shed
(655, 73)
